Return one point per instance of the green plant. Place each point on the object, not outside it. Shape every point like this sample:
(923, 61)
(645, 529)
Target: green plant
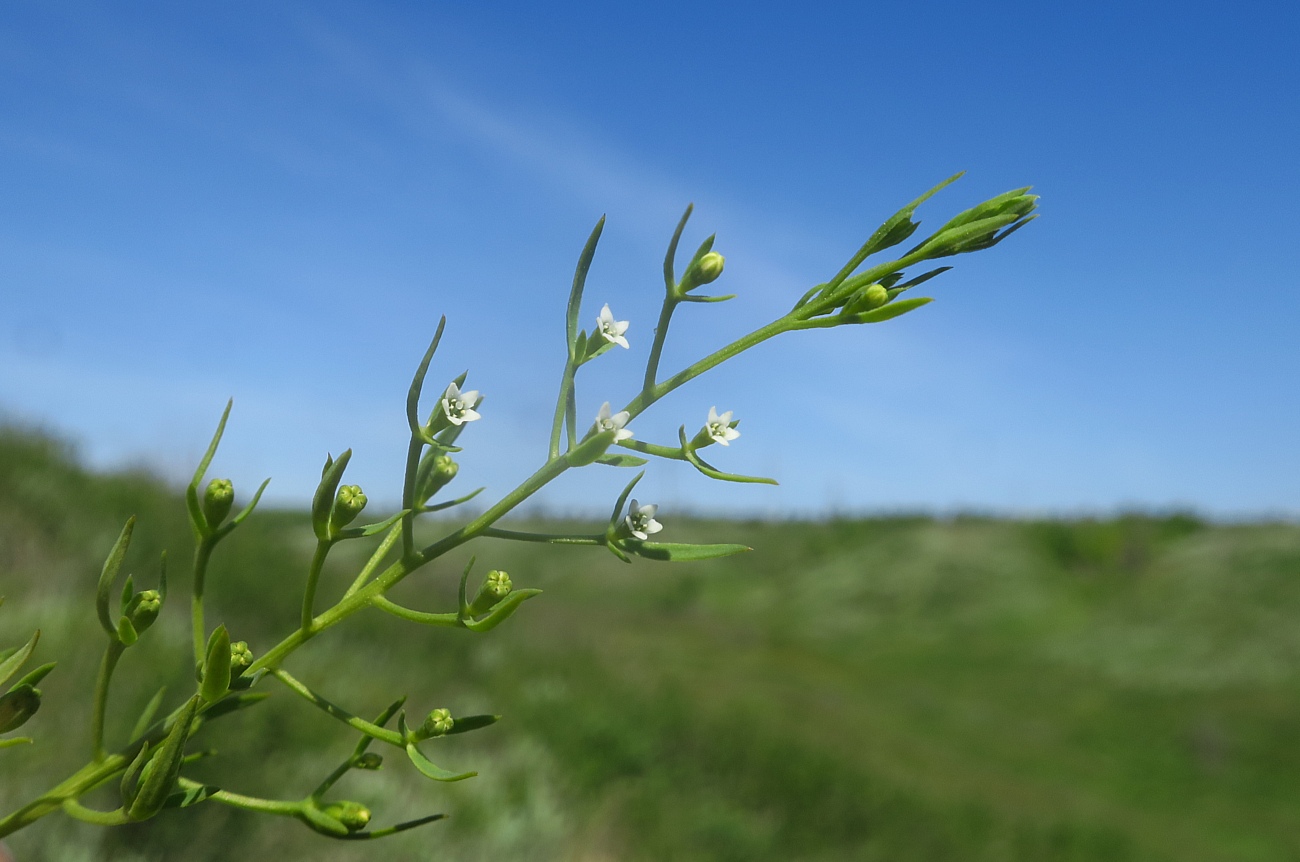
(149, 766)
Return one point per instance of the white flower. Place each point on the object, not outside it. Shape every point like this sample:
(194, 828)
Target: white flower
(615, 423)
(719, 427)
(641, 521)
(459, 406)
(610, 329)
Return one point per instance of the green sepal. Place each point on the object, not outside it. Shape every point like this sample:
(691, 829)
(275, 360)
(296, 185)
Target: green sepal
(371, 529)
(593, 345)
(712, 472)
(613, 546)
(501, 612)
(462, 599)
(18, 705)
(472, 722)
(187, 797)
(920, 279)
(147, 714)
(18, 658)
(198, 523)
(128, 592)
(216, 667)
(1015, 201)
(126, 633)
(621, 460)
(969, 237)
(159, 776)
(35, 676)
(321, 822)
(693, 298)
(673, 552)
(130, 786)
(589, 450)
(323, 501)
(417, 385)
(242, 682)
(108, 575)
(427, 767)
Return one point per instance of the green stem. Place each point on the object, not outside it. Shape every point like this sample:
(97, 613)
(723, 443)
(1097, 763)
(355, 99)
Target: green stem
(313, 576)
(202, 554)
(413, 452)
(657, 348)
(111, 655)
(248, 803)
(562, 403)
(77, 811)
(551, 538)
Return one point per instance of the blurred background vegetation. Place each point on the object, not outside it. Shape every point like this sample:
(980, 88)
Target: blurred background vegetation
(893, 688)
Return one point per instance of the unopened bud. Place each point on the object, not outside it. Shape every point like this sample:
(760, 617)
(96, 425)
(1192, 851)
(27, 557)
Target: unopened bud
(435, 471)
(369, 760)
(352, 815)
(347, 505)
(876, 295)
(217, 500)
(439, 723)
(143, 609)
(240, 657)
(703, 271)
(496, 586)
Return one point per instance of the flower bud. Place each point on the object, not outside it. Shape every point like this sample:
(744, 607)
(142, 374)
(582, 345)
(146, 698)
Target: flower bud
(434, 472)
(17, 705)
(352, 815)
(703, 271)
(347, 505)
(369, 760)
(439, 723)
(217, 500)
(143, 609)
(240, 657)
(875, 296)
(496, 586)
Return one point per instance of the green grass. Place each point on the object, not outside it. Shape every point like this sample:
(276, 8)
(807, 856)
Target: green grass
(884, 689)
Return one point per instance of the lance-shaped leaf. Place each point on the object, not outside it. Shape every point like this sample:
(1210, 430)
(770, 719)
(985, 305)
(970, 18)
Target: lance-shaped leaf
(501, 612)
(198, 522)
(417, 384)
(34, 677)
(621, 460)
(890, 311)
(130, 785)
(713, 472)
(589, 450)
(232, 703)
(243, 514)
(389, 830)
(372, 529)
(323, 501)
(579, 283)
(670, 274)
(147, 714)
(895, 290)
(323, 823)
(472, 722)
(108, 575)
(216, 667)
(617, 514)
(18, 658)
(427, 767)
(158, 777)
(681, 552)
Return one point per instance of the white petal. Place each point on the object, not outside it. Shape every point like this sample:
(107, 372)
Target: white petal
(713, 416)
(622, 434)
(469, 415)
(620, 326)
(653, 526)
(620, 341)
(603, 415)
(619, 419)
(605, 316)
(649, 510)
(470, 398)
(453, 391)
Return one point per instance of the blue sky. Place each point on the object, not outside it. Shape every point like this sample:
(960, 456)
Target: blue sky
(276, 202)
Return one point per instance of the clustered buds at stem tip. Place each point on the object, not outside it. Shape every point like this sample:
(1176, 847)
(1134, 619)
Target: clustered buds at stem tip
(610, 329)
(496, 586)
(217, 501)
(640, 520)
(240, 657)
(438, 723)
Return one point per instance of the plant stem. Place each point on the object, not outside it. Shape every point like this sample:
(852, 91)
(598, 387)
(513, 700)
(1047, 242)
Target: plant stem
(313, 576)
(657, 348)
(202, 554)
(112, 653)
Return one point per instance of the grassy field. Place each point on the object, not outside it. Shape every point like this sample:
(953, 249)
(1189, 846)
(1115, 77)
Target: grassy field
(882, 689)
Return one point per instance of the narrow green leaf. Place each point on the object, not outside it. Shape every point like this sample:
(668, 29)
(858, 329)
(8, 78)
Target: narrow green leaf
(321, 822)
(18, 658)
(372, 529)
(429, 769)
(417, 382)
(670, 275)
(712, 472)
(190, 796)
(17, 706)
(216, 667)
(502, 611)
(246, 511)
(472, 722)
(579, 283)
(589, 450)
(892, 310)
(622, 499)
(159, 775)
(920, 279)
(621, 460)
(34, 677)
(112, 564)
(130, 785)
(197, 521)
(323, 501)
(147, 716)
(681, 553)
(234, 703)
(462, 605)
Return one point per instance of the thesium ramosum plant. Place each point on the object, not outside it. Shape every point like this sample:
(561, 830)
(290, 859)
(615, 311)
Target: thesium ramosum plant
(149, 766)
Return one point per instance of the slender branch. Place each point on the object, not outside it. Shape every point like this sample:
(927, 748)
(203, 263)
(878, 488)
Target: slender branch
(657, 348)
(550, 538)
(202, 554)
(112, 653)
(413, 451)
(353, 721)
(313, 576)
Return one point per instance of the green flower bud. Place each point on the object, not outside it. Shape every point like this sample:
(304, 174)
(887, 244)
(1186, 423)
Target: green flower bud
(439, 723)
(875, 296)
(353, 815)
(369, 760)
(435, 471)
(703, 271)
(347, 505)
(217, 500)
(143, 609)
(19, 704)
(240, 657)
(496, 586)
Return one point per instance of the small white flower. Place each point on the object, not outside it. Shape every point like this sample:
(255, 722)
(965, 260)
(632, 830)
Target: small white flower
(719, 427)
(459, 406)
(615, 423)
(641, 521)
(610, 329)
